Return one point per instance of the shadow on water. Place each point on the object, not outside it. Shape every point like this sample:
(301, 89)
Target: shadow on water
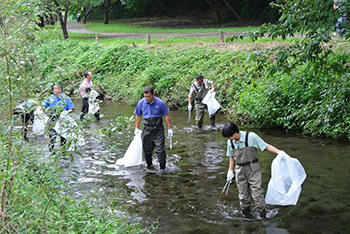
(185, 199)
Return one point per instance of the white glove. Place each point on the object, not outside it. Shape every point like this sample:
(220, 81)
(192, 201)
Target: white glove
(230, 176)
(211, 91)
(170, 132)
(137, 131)
(280, 153)
(189, 107)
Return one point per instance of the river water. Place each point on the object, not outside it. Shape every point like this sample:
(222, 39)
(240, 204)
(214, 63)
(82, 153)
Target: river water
(185, 199)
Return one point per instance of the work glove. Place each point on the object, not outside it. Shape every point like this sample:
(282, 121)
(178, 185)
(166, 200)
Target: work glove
(280, 153)
(189, 107)
(170, 132)
(137, 131)
(211, 91)
(230, 175)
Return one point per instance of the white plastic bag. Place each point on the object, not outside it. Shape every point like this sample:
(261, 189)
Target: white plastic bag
(40, 120)
(133, 155)
(287, 176)
(211, 102)
(68, 128)
(93, 103)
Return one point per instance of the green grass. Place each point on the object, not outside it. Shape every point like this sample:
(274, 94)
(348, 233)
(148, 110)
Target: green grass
(123, 28)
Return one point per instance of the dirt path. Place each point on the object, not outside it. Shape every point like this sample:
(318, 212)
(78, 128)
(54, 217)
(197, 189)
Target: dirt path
(75, 27)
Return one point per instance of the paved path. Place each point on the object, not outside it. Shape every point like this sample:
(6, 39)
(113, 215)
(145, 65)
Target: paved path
(75, 27)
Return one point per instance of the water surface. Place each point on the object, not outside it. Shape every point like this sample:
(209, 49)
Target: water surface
(185, 199)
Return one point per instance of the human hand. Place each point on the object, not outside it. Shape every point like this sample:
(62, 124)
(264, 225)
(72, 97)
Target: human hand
(189, 107)
(137, 131)
(281, 152)
(170, 132)
(230, 175)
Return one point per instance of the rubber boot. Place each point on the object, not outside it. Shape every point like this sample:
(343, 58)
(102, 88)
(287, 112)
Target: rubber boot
(149, 161)
(212, 120)
(262, 213)
(246, 211)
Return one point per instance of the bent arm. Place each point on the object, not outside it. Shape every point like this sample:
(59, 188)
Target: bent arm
(189, 100)
(272, 149)
(232, 164)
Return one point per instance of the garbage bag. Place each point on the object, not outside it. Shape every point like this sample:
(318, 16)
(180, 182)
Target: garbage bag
(287, 176)
(68, 128)
(94, 106)
(133, 155)
(212, 104)
(40, 120)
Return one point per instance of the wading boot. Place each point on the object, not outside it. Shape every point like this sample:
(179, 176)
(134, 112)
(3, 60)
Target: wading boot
(262, 214)
(212, 120)
(246, 212)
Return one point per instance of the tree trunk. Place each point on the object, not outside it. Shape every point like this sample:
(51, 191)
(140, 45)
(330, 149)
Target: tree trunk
(233, 10)
(63, 25)
(105, 17)
(106, 7)
(63, 20)
(215, 11)
(84, 15)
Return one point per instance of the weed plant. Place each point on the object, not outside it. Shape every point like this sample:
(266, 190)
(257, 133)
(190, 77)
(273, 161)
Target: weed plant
(252, 85)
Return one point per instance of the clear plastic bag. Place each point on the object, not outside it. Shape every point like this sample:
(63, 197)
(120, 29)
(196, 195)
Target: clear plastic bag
(69, 129)
(211, 102)
(40, 120)
(133, 155)
(94, 106)
(287, 176)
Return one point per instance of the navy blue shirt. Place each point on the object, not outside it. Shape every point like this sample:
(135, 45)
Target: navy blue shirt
(155, 109)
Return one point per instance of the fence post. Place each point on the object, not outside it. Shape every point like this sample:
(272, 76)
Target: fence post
(96, 37)
(222, 38)
(148, 39)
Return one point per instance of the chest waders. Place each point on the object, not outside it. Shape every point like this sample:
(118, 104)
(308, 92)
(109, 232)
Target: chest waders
(85, 106)
(153, 139)
(248, 177)
(53, 118)
(200, 107)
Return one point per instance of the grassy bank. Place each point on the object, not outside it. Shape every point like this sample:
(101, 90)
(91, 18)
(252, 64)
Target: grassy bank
(249, 84)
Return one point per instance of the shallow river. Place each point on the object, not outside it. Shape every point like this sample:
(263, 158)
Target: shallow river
(185, 199)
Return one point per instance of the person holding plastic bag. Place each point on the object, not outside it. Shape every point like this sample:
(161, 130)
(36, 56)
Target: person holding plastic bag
(84, 90)
(152, 109)
(25, 109)
(68, 129)
(198, 91)
(57, 103)
(242, 148)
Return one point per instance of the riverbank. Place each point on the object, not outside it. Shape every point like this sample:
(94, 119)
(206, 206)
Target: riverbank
(250, 85)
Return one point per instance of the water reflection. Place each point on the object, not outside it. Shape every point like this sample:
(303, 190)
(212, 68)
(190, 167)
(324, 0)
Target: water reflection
(185, 199)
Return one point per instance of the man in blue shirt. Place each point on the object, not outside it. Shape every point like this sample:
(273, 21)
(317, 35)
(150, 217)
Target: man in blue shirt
(57, 103)
(242, 148)
(152, 109)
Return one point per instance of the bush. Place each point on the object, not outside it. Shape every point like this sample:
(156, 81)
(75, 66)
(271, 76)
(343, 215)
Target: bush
(266, 88)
